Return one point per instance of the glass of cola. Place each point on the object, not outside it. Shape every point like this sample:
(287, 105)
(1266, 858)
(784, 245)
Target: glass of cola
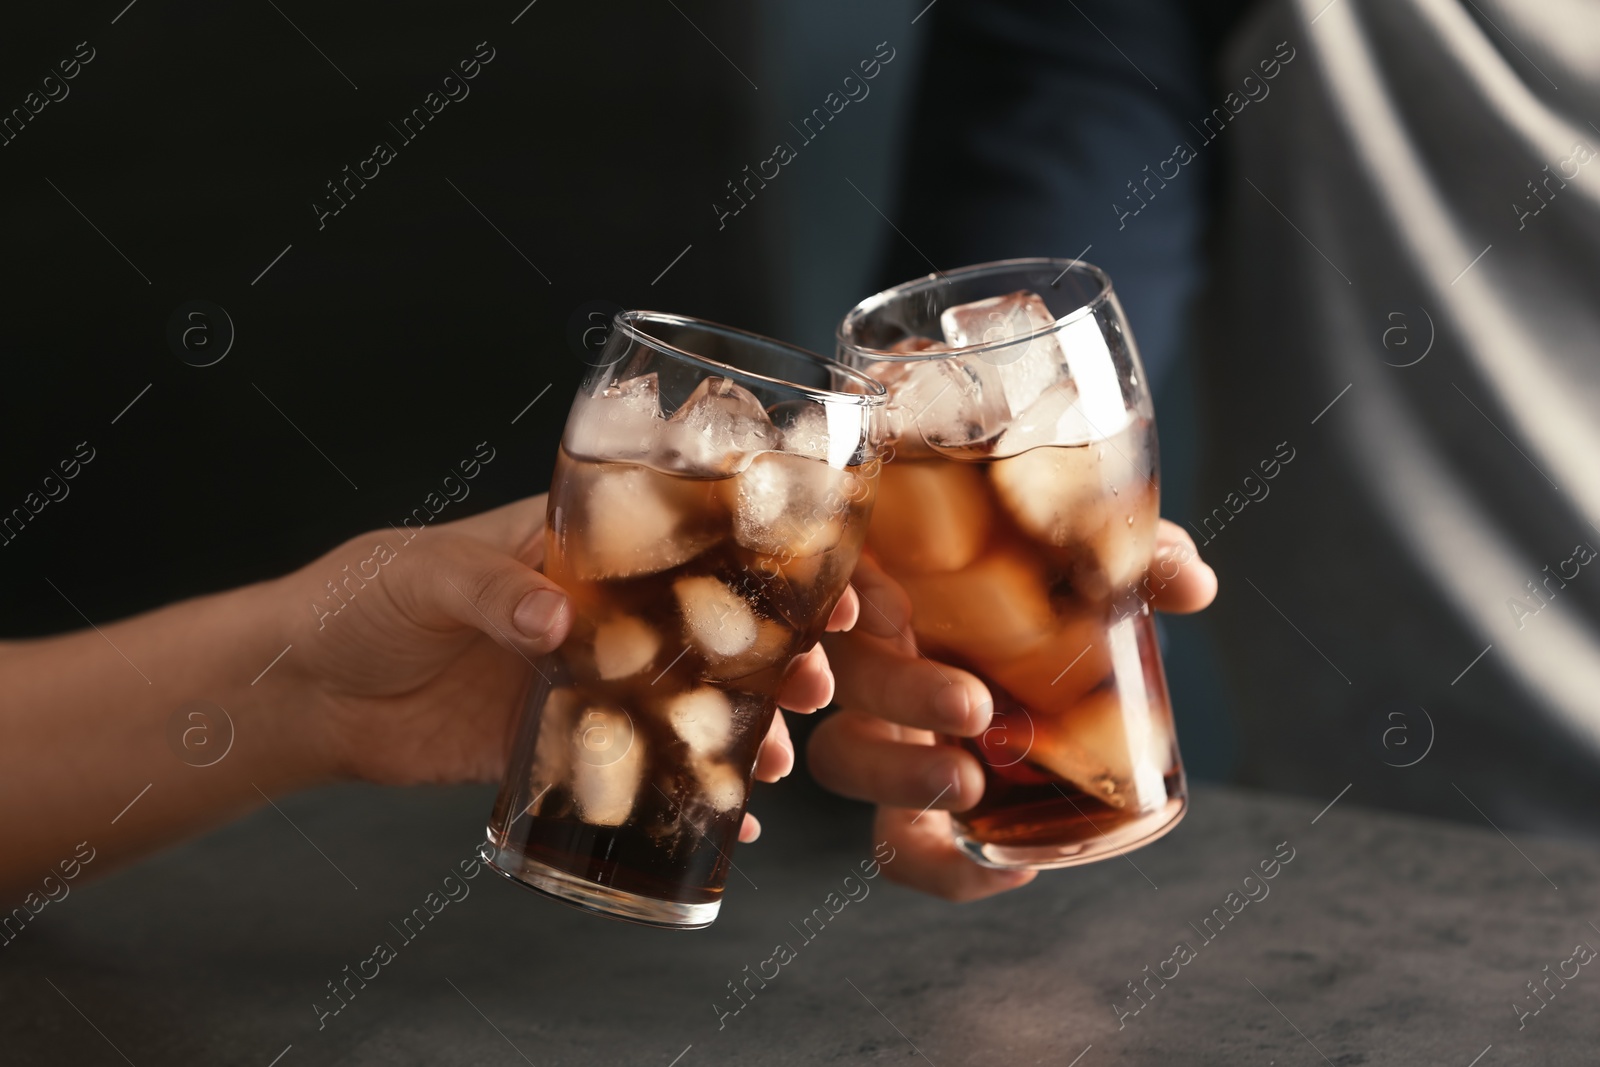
(1018, 508)
(709, 502)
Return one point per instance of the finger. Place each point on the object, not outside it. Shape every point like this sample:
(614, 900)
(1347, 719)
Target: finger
(1181, 580)
(877, 676)
(455, 581)
(750, 829)
(808, 683)
(776, 757)
(926, 858)
(516, 529)
(885, 607)
(846, 612)
(857, 755)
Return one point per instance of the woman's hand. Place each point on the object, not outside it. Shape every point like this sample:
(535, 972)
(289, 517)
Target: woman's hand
(400, 657)
(881, 747)
(419, 676)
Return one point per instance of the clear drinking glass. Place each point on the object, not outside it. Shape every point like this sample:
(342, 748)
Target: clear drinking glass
(1018, 508)
(709, 502)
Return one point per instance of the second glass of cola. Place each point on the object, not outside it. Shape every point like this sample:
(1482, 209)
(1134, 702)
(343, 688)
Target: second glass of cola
(1019, 510)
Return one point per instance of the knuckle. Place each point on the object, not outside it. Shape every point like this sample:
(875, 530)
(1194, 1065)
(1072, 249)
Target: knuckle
(486, 588)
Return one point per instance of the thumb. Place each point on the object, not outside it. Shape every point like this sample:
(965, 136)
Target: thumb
(462, 581)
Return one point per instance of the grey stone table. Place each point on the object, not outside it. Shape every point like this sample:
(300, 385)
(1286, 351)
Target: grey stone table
(1383, 940)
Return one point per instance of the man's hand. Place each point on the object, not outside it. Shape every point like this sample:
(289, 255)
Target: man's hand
(881, 746)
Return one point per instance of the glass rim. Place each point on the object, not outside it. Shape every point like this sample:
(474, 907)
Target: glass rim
(1103, 293)
(628, 322)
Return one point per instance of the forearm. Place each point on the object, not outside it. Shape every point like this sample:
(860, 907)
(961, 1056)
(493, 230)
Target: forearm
(93, 743)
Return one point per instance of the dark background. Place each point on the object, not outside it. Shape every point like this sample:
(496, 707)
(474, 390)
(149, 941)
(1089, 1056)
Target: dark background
(383, 347)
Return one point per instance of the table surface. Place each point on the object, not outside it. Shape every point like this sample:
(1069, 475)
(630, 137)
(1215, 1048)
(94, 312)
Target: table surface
(1383, 940)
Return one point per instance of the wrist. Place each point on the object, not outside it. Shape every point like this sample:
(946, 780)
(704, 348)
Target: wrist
(283, 705)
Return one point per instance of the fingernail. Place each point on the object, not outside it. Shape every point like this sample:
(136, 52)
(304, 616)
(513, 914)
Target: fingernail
(539, 613)
(953, 707)
(941, 779)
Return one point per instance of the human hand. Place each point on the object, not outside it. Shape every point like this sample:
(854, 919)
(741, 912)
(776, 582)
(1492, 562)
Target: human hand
(419, 677)
(881, 746)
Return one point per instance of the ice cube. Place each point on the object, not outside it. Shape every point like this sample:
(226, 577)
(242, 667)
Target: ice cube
(607, 765)
(552, 751)
(1052, 492)
(1111, 754)
(1055, 672)
(1094, 499)
(791, 505)
(1060, 417)
(703, 718)
(1026, 368)
(803, 429)
(929, 516)
(1054, 419)
(992, 610)
(718, 428)
(624, 646)
(888, 372)
(953, 404)
(636, 521)
(1122, 548)
(793, 588)
(622, 422)
(716, 619)
(831, 433)
(721, 786)
(1088, 746)
(770, 648)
